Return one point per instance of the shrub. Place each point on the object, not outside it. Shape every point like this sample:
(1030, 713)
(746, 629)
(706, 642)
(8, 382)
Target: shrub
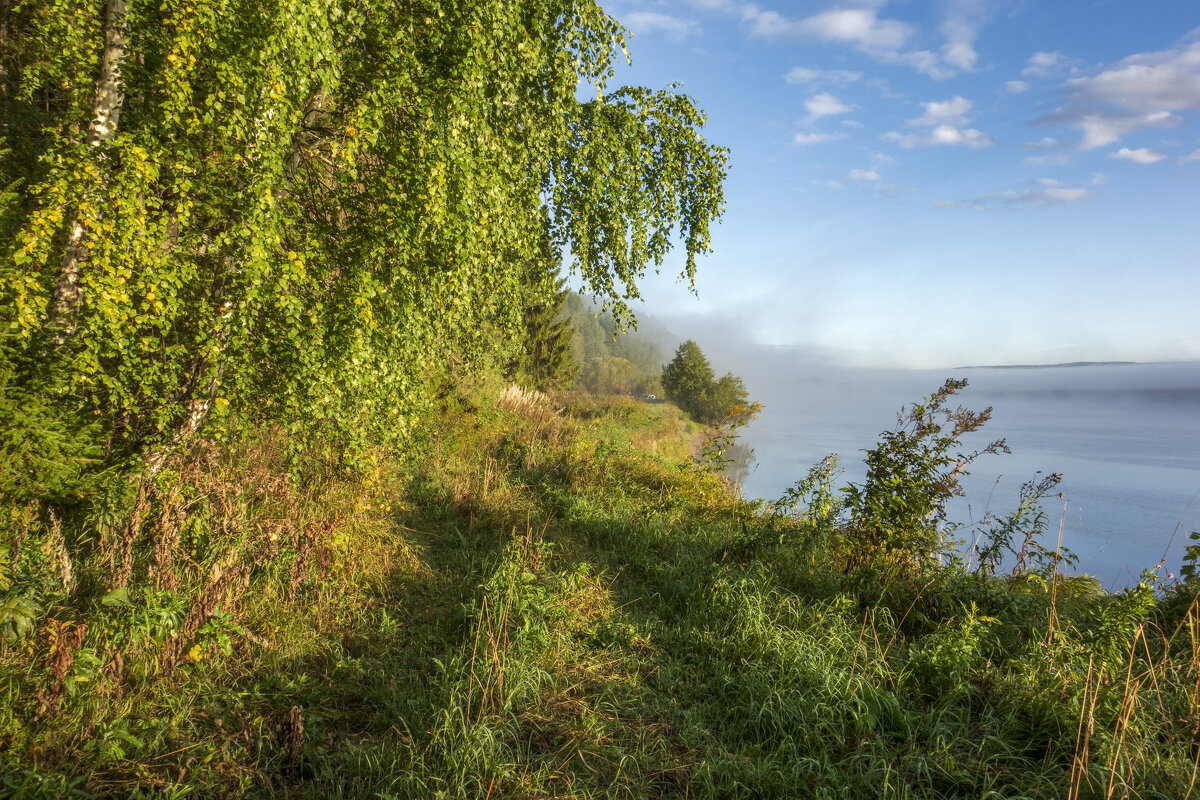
(897, 514)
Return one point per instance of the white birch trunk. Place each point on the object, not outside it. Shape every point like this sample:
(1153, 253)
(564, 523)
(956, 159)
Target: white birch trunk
(67, 300)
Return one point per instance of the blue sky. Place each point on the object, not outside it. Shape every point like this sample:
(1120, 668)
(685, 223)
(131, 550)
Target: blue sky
(928, 184)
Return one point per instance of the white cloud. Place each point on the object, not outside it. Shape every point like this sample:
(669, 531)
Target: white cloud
(1040, 64)
(942, 135)
(964, 19)
(864, 175)
(960, 54)
(852, 123)
(1168, 80)
(837, 77)
(1142, 92)
(645, 22)
(857, 26)
(1100, 129)
(974, 205)
(1050, 192)
(923, 61)
(805, 139)
(948, 134)
(1193, 156)
(1140, 156)
(1016, 87)
(1058, 195)
(948, 119)
(767, 24)
(945, 112)
(831, 183)
(723, 6)
(825, 105)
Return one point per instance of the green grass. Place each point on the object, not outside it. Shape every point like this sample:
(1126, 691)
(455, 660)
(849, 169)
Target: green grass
(547, 598)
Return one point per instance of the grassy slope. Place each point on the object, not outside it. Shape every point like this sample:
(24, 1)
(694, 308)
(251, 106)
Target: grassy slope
(550, 600)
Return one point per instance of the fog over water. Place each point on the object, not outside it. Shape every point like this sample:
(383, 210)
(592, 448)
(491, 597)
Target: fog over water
(1125, 437)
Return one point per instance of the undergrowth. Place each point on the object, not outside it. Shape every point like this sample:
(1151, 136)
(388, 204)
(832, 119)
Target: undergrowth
(549, 597)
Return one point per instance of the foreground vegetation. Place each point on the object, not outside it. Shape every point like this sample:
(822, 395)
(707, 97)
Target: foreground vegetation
(550, 598)
(266, 529)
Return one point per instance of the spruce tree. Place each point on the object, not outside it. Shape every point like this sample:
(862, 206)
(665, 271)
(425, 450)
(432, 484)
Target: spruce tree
(686, 380)
(547, 360)
(689, 382)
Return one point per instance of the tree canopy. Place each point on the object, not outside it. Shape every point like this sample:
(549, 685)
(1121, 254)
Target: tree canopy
(690, 383)
(299, 210)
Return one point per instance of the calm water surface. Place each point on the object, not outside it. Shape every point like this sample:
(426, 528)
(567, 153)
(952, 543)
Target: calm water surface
(1126, 439)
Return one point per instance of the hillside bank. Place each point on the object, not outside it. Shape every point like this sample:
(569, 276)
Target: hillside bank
(548, 598)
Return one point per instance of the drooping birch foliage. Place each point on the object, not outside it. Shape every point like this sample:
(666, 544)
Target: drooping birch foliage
(299, 209)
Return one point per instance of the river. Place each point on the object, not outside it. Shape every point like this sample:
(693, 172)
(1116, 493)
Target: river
(1125, 437)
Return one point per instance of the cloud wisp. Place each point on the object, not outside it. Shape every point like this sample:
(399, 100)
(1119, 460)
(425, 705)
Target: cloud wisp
(675, 28)
(1142, 155)
(806, 139)
(858, 24)
(964, 20)
(835, 77)
(945, 112)
(1039, 65)
(1043, 192)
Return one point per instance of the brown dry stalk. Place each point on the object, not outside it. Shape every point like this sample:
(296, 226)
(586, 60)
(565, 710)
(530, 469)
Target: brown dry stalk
(304, 540)
(1126, 709)
(292, 736)
(858, 648)
(1079, 761)
(62, 558)
(129, 536)
(166, 539)
(474, 679)
(64, 640)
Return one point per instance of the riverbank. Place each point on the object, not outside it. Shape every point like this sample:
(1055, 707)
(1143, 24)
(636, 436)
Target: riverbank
(549, 598)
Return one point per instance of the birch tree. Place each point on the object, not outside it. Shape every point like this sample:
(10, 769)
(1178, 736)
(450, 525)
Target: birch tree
(293, 211)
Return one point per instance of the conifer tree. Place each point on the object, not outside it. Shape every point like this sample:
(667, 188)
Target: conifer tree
(547, 358)
(689, 382)
(686, 380)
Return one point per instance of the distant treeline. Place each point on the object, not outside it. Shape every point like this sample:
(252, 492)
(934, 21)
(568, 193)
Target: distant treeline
(612, 361)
